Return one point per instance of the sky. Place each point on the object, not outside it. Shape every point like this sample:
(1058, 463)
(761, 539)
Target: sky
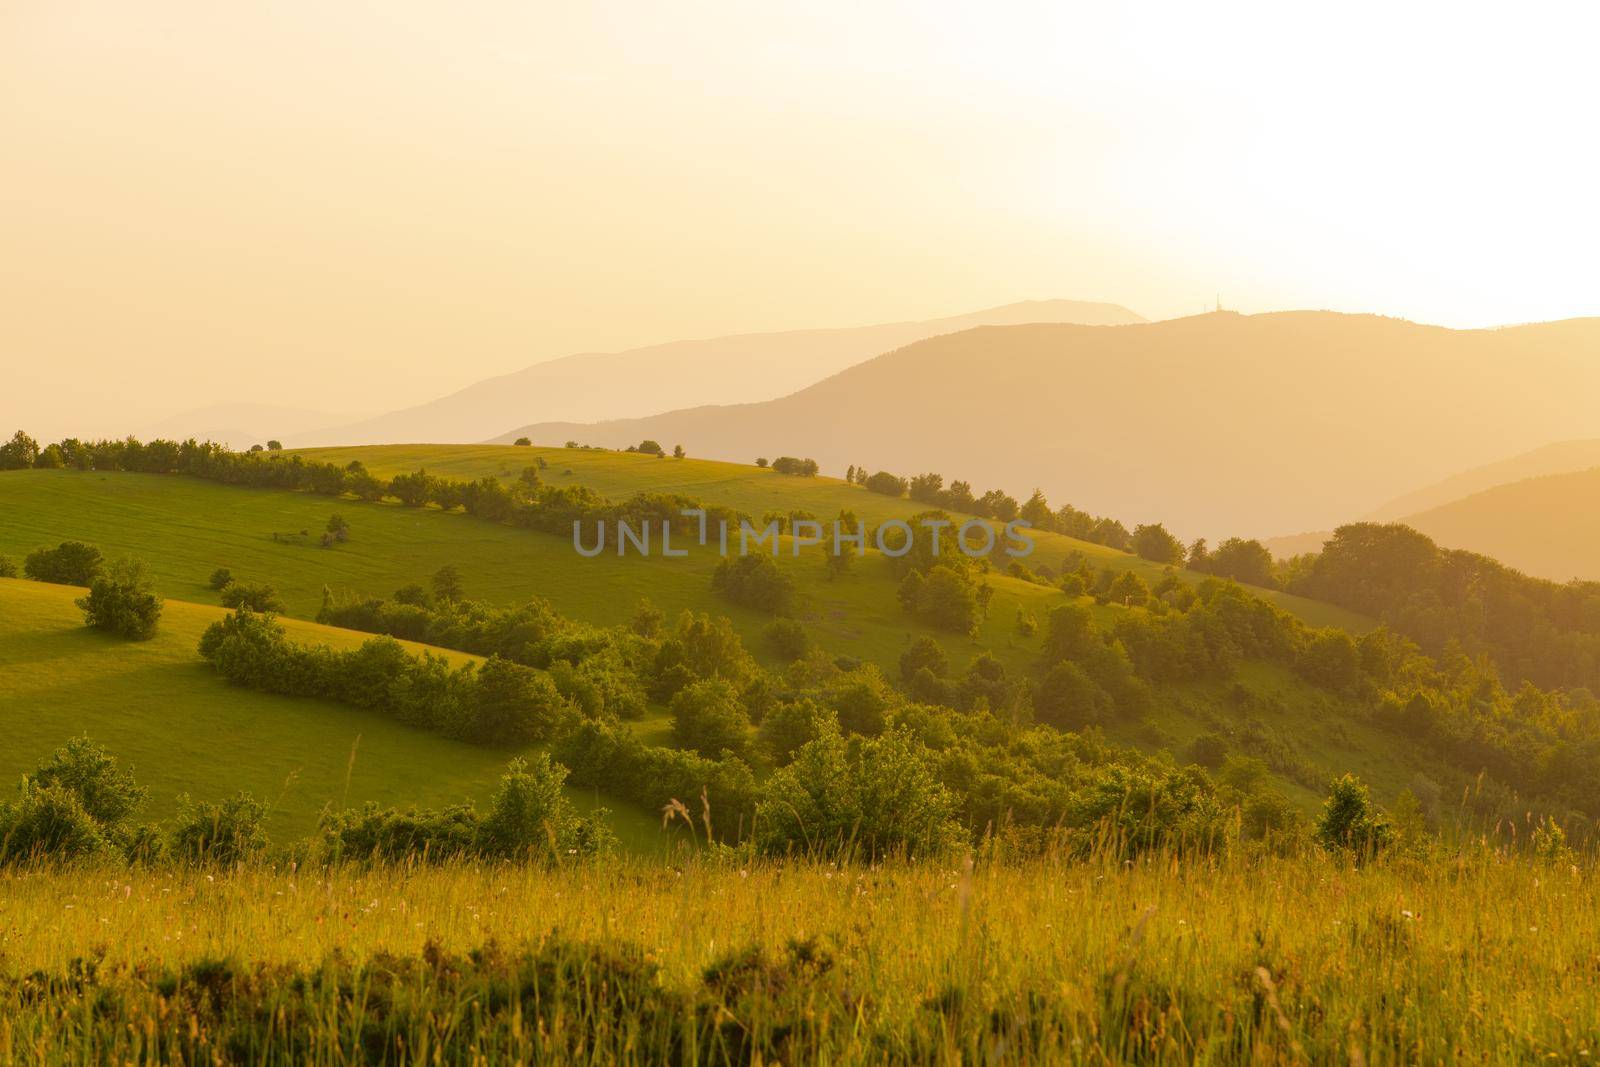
(352, 207)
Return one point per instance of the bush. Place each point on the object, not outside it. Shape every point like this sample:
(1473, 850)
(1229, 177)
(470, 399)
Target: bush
(531, 818)
(258, 597)
(887, 484)
(123, 601)
(754, 581)
(786, 638)
(222, 833)
(1350, 823)
(522, 442)
(220, 578)
(48, 822)
(69, 563)
(924, 652)
(867, 797)
(8, 569)
(708, 718)
(514, 705)
(1154, 543)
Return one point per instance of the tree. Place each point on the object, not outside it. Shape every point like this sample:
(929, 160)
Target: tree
(522, 442)
(708, 718)
(530, 816)
(1152, 542)
(338, 531)
(871, 797)
(887, 484)
(514, 705)
(1331, 660)
(1129, 590)
(447, 585)
(1037, 511)
(69, 563)
(1243, 561)
(1068, 699)
(274, 446)
(786, 638)
(650, 448)
(8, 569)
(1350, 823)
(761, 462)
(220, 578)
(754, 581)
(251, 596)
(19, 453)
(107, 794)
(123, 601)
(924, 653)
(678, 452)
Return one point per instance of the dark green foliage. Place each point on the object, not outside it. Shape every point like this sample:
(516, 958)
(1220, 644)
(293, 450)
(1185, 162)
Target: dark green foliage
(499, 702)
(887, 484)
(220, 579)
(8, 569)
(1349, 821)
(223, 833)
(1154, 543)
(1068, 699)
(1209, 750)
(1241, 560)
(69, 563)
(866, 797)
(708, 718)
(803, 468)
(786, 638)
(19, 453)
(530, 817)
(251, 596)
(924, 653)
(447, 584)
(123, 601)
(77, 803)
(946, 596)
(754, 581)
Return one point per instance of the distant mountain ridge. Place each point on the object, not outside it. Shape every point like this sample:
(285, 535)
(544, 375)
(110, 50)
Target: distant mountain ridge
(1218, 424)
(722, 370)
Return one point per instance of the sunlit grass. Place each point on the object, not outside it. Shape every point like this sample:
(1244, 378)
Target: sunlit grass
(1300, 959)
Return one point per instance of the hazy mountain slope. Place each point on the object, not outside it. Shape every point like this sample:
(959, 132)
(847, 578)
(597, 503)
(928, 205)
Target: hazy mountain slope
(1560, 458)
(1548, 527)
(1218, 424)
(642, 381)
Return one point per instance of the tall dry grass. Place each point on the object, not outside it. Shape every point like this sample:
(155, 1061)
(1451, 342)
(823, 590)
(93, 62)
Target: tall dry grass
(1483, 958)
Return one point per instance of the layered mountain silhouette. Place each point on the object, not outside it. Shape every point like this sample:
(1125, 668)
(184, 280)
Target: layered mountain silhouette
(1217, 424)
(642, 381)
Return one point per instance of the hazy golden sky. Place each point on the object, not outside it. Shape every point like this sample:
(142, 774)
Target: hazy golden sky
(354, 206)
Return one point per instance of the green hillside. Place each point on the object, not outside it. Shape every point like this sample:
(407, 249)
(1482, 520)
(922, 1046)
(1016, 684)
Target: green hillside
(184, 528)
(163, 710)
(748, 488)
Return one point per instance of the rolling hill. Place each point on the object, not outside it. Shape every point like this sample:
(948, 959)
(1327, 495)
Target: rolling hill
(1518, 510)
(163, 710)
(641, 381)
(1548, 527)
(183, 527)
(1217, 424)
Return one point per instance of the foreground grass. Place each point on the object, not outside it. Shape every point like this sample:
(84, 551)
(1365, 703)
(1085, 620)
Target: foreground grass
(162, 709)
(1306, 959)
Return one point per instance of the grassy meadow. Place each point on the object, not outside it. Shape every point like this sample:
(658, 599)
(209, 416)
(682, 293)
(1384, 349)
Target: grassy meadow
(182, 729)
(1302, 959)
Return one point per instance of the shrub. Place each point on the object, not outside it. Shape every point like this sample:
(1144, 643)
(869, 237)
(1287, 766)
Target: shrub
(223, 832)
(866, 797)
(708, 718)
(924, 652)
(514, 705)
(786, 638)
(69, 563)
(220, 578)
(754, 581)
(8, 569)
(1209, 750)
(123, 601)
(531, 818)
(1349, 822)
(258, 597)
(48, 822)
(1154, 543)
(522, 442)
(887, 484)
(1068, 699)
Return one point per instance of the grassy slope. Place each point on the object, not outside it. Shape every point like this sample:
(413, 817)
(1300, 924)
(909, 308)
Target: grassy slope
(159, 707)
(750, 489)
(185, 527)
